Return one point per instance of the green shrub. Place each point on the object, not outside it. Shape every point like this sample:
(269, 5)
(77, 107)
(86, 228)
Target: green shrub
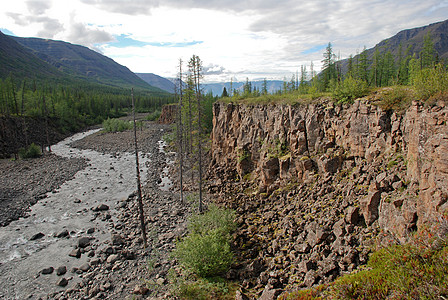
(33, 151)
(349, 89)
(206, 250)
(205, 254)
(155, 115)
(430, 81)
(215, 218)
(396, 98)
(116, 125)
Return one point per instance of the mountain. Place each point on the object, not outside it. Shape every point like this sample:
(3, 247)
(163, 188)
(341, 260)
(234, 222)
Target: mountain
(412, 39)
(157, 81)
(82, 63)
(217, 88)
(21, 62)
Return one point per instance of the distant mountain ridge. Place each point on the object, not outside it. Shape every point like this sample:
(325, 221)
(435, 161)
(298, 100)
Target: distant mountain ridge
(21, 62)
(81, 62)
(217, 88)
(157, 81)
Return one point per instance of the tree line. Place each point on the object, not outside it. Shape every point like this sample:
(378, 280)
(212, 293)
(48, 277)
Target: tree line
(74, 106)
(352, 77)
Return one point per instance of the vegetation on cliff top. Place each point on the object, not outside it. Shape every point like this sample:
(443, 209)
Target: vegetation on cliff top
(418, 76)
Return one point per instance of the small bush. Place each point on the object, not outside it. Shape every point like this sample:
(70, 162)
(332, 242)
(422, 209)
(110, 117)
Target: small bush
(155, 115)
(396, 98)
(349, 89)
(430, 81)
(215, 218)
(33, 151)
(116, 125)
(205, 254)
(206, 250)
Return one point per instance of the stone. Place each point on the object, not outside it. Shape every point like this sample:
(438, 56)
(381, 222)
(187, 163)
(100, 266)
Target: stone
(160, 281)
(140, 290)
(85, 267)
(47, 271)
(339, 228)
(370, 205)
(83, 242)
(62, 282)
(352, 215)
(37, 236)
(101, 207)
(61, 270)
(112, 258)
(90, 230)
(239, 295)
(117, 239)
(75, 253)
(63, 234)
(310, 278)
(270, 293)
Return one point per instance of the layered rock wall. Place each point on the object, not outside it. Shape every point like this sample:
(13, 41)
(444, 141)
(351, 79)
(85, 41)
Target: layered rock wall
(400, 159)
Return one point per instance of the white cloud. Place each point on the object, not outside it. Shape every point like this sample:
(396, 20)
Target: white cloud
(253, 38)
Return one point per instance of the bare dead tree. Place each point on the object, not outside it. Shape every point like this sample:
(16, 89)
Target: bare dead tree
(139, 186)
(180, 132)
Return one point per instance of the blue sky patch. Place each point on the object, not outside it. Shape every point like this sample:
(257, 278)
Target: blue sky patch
(6, 31)
(314, 49)
(123, 41)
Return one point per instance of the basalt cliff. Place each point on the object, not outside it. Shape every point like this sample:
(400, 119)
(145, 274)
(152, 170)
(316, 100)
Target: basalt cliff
(318, 186)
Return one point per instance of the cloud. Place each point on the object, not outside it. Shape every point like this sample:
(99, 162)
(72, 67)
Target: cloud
(38, 7)
(213, 69)
(80, 33)
(128, 7)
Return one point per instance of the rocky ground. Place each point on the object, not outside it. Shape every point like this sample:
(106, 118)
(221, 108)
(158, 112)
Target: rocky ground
(24, 182)
(120, 268)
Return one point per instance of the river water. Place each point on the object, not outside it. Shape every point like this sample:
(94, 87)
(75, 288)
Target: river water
(107, 180)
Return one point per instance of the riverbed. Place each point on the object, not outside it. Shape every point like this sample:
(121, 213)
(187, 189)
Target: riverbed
(30, 245)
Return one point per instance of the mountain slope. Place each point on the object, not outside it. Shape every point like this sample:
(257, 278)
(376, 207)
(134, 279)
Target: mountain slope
(157, 81)
(20, 62)
(82, 63)
(411, 41)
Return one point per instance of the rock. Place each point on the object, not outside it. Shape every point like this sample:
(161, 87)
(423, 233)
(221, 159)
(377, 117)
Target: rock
(47, 271)
(140, 290)
(339, 228)
(239, 295)
(83, 242)
(85, 267)
(352, 215)
(117, 239)
(101, 207)
(62, 282)
(310, 278)
(90, 230)
(37, 236)
(370, 205)
(75, 253)
(112, 258)
(270, 293)
(160, 281)
(63, 234)
(61, 270)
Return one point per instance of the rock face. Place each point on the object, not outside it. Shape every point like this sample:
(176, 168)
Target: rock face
(313, 181)
(168, 114)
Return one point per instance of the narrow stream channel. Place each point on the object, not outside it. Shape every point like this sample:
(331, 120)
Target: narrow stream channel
(107, 179)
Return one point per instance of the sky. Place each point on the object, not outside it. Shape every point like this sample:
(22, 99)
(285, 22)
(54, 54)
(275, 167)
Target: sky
(235, 39)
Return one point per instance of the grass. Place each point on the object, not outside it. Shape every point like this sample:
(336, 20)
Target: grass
(116, 125)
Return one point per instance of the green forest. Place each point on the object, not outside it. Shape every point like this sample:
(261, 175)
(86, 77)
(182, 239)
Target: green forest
(73, 106)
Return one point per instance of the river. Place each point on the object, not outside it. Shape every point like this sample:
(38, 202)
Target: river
(107, 180)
